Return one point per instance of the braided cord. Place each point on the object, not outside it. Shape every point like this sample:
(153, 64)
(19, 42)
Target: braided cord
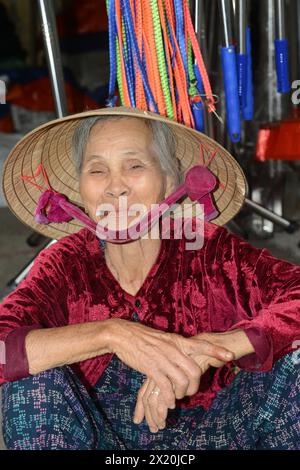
(134, 46)
(121, 53)
(161, 58)
(119, 73)
(152, 50)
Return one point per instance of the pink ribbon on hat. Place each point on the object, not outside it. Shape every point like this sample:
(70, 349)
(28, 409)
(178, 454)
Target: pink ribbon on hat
(54, 206)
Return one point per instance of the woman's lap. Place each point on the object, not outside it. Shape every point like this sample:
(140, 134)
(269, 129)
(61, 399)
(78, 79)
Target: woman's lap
(53, 410)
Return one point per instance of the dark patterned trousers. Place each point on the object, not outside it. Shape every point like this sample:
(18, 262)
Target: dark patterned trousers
(53, 410)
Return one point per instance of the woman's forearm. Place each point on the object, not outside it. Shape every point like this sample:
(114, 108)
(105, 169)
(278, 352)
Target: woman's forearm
(54, 347)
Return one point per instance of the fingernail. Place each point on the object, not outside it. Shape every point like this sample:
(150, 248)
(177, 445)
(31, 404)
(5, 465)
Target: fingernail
(228, 355)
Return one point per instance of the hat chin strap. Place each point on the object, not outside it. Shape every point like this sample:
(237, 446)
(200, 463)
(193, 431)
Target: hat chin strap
(198, 185)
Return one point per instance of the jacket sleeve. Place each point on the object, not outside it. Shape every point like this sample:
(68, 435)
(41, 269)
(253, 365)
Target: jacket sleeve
(265, 292)
(38, 302)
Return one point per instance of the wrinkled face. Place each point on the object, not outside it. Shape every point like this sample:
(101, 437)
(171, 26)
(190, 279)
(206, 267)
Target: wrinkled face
(119, 164)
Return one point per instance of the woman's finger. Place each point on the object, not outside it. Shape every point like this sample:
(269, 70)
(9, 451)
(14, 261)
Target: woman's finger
(148, 414)
(159, 412)
(139, 412)
(166, 387)
(155, 406)
(196, 344)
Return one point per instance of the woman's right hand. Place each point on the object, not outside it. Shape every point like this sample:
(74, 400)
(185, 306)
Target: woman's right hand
(161, 356)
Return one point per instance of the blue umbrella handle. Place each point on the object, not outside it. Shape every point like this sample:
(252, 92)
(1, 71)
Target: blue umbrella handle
(231, 92)
(249, 105)
(241, 60)
(282, 65)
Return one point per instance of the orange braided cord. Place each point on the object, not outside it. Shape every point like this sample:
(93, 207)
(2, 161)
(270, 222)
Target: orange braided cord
(119, 28)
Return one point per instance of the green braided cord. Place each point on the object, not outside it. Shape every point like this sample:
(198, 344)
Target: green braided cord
(161, 59)
(192, 78)
(119, 73)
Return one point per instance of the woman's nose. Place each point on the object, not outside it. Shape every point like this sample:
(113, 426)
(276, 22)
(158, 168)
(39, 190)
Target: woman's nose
(116, 188)
(117, 193)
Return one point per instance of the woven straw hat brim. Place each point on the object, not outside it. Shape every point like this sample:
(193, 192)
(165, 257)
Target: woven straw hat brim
(50, 144)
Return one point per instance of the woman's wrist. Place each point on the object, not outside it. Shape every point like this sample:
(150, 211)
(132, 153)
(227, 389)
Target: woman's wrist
(236, 341)
(114, 334)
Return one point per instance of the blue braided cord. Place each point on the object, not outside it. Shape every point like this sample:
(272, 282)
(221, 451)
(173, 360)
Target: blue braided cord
(111, 102)
(128, 70)
(128, 76)
(197, 73)
(134, 7)
(144, 65)
(129, 58)
(173, 57)
(176, 96)
(178, 6)
(198, 108)
(134, 45)
(112, 29)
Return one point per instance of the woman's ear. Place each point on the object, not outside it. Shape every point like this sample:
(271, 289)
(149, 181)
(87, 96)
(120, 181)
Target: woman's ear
(170, 186)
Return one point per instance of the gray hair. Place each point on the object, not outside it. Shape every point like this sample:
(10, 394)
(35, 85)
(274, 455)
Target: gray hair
(164, 144)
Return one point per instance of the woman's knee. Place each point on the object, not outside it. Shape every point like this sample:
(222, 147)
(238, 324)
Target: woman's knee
(278, 416)
(36, 409)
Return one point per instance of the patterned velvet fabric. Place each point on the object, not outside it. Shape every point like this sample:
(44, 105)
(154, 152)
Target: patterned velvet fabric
(227, 284)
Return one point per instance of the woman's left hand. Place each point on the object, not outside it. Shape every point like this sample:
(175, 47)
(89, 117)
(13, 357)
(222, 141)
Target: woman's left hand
(152, 406)
(150, 402)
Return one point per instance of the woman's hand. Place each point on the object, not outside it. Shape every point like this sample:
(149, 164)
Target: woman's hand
(163, 357)
(153, 407)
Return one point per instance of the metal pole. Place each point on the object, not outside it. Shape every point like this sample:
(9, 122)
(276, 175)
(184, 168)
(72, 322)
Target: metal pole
(242, 17)
(280, 19)
(267, 214)
(200, 31)
(225, 9)
(53, 56)
(51, 43)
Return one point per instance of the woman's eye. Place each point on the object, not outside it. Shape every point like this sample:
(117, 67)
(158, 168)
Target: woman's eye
(96, 171)
(136, 166)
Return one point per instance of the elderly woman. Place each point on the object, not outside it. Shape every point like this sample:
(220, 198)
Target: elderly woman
(143, 344)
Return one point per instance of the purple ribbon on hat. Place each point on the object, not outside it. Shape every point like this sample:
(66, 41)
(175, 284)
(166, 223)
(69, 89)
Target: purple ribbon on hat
(198, 186)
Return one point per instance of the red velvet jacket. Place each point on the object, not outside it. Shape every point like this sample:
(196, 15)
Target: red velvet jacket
(227, 284)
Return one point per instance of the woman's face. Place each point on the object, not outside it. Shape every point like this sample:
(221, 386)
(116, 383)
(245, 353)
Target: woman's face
(119, 163)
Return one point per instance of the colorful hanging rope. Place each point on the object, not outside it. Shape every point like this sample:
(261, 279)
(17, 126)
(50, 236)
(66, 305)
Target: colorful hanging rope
(156, 61)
